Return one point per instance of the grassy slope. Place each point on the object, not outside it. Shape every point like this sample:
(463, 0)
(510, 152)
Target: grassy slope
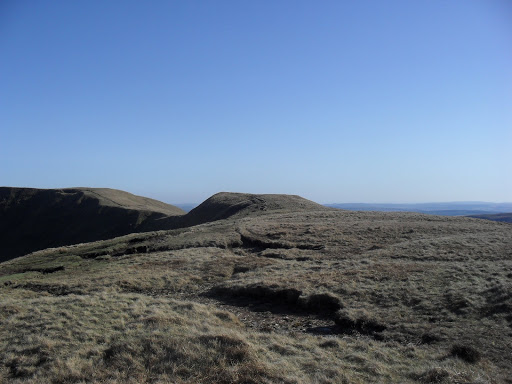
(315, 296)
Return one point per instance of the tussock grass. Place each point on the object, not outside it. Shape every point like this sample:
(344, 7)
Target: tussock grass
(117, 337)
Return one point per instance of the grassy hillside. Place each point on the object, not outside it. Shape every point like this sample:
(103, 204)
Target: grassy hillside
(33, 219)
(288, 294)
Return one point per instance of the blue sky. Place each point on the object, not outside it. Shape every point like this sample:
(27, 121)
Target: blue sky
(337, 101)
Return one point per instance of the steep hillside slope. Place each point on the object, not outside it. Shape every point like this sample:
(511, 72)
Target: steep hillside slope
(33, 219)
(275, 296)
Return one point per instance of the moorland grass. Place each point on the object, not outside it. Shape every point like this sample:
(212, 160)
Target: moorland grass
(386, 298)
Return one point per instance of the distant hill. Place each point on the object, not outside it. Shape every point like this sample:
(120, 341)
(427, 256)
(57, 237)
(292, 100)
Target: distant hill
(442, 209)
(503, 217)
(227, 204)
(33, 219)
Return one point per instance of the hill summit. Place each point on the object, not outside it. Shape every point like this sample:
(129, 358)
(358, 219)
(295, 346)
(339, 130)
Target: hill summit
(229, 204)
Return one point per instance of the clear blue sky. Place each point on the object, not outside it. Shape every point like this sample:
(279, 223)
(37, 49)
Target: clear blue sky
(337, 101)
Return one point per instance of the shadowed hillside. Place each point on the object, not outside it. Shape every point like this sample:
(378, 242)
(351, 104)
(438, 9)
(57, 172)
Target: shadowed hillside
(32, 219)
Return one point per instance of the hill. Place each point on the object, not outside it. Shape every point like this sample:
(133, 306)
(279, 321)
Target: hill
(228, 204)
(292, 293)
(33, 219)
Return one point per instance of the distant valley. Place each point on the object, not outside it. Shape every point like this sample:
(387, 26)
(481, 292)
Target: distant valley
(442, 209)
(503, 217)
(187, 207)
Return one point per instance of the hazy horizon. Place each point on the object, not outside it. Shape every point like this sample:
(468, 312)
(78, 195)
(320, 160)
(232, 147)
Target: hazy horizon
(376, 203)
(195, 203)
(338, 102)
